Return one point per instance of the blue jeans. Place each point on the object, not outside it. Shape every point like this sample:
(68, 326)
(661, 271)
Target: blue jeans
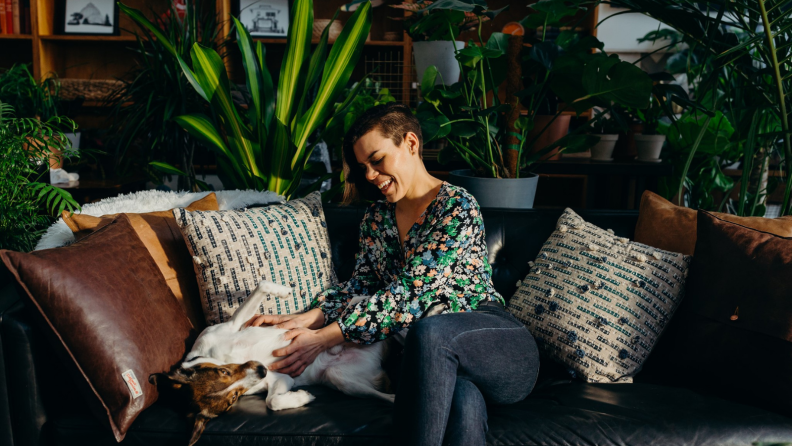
(453, 365)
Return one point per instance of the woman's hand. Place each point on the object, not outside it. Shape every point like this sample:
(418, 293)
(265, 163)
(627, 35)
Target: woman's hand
(313, 319)
(305, 347)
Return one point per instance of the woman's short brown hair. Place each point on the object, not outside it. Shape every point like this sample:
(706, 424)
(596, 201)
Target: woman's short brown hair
(393, 121)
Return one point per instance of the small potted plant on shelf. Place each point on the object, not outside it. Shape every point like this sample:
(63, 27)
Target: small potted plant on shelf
(607, 129)
(649, 143)
(434, 27)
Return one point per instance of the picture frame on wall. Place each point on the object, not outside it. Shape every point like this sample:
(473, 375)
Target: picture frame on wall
(264, 18)
(86, 17)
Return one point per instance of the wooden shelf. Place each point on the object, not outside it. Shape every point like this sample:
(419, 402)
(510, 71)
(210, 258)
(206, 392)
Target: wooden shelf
(57, 37)
(368, 42)
(16, 37)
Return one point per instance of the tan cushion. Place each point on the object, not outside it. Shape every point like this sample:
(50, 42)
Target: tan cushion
(664, 225)
(106, 309)
(162, 237)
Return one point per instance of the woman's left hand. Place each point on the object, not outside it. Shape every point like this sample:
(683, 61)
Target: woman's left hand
(305, 347)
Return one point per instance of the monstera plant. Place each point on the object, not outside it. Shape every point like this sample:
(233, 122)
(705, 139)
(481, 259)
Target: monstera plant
(266, 146)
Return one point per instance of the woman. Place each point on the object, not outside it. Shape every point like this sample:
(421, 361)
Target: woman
(422, 245)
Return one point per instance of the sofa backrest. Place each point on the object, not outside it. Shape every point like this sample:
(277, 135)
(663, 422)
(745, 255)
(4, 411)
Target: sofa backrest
(514, 237)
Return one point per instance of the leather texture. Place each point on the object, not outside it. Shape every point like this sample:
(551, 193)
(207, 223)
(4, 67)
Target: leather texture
(558, 412)
(107, 310)
(664, 225)
(734, 337)
(163, 239)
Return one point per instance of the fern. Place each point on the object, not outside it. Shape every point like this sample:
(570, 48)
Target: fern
(27, 205)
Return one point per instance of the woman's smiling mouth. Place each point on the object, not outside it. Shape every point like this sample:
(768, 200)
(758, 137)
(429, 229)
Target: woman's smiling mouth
(384, 186)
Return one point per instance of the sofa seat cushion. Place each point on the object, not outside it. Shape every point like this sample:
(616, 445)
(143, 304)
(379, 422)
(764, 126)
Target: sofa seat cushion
(558, 412)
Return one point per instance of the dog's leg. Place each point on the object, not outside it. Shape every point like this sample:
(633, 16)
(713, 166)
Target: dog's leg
(251, 304)
(279, 396)
(348, 380)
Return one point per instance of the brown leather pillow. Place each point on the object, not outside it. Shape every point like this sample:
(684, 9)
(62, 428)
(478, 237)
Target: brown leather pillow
(747, 358)
(110, 315)
(664, 225)
(163, 239)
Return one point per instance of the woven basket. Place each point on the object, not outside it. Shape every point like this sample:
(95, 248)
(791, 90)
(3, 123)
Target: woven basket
(319, 26)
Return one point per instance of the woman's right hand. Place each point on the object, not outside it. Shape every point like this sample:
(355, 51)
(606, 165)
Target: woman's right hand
(313, 319)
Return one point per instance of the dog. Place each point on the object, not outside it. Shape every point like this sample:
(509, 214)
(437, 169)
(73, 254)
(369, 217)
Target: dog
(228, 361)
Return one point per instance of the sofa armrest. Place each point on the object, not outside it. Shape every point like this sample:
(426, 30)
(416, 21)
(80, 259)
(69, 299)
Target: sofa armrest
(8, 299)
(19, 379)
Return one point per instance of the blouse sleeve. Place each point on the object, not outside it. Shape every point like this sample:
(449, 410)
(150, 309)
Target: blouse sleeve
(333, 301)
(428, 275)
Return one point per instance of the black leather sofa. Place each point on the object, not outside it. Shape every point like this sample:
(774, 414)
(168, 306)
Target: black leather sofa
(38, 405)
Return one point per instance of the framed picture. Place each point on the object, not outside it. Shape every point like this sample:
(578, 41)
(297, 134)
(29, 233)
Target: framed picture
(86, 17)
(264, 18)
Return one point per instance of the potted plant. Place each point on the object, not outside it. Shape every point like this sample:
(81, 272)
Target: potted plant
(434, 26)
(266, 146)
(501, 154)
(27, 205)
(607, 129)
(649, 143)
(156, 91)
(33, 99)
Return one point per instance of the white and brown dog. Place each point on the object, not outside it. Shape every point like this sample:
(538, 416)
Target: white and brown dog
(228, 361)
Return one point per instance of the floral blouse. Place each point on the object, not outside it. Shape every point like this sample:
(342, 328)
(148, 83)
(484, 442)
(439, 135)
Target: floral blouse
(444, 260)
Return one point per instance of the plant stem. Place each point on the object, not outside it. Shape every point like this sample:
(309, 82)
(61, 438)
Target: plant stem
(782, 104)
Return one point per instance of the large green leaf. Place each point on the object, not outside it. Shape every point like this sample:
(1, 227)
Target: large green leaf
(253, 78)
(141, 20)
(211, 74)
(620, 82)
(337, 70)
(298, 45)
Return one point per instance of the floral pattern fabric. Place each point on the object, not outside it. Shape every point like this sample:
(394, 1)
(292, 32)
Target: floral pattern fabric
(444, 260)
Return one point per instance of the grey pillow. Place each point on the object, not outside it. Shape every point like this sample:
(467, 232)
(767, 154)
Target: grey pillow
(597, 303)
(234, 250)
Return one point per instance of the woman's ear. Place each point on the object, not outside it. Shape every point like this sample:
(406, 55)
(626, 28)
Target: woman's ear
(411, 139)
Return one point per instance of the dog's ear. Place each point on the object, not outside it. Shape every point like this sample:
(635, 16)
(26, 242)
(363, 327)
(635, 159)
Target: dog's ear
(181, 376)
(198, 428)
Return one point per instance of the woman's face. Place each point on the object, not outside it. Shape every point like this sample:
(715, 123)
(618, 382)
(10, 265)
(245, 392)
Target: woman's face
(390, 167)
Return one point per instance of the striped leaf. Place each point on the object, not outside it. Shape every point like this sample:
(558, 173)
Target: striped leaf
(211, 74)
(297, 48)
(337, 70)
(141, 20)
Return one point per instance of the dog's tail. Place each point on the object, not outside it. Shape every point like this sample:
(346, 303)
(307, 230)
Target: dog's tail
(251, 304)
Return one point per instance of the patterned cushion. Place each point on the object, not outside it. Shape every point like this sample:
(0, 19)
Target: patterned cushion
(234, 250)
(596, 302)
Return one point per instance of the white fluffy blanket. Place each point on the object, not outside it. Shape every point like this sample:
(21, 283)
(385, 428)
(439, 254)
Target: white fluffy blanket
(150, 201)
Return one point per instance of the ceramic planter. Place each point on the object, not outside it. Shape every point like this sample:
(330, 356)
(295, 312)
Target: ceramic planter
(510, 193)
(603, 151)
(439, 53)
(557, 130)
(625, 146)
(649, 147)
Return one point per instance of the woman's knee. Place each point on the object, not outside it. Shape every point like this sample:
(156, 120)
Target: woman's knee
(429, 331)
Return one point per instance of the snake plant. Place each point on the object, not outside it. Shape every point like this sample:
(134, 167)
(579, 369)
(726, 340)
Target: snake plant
(265, 147)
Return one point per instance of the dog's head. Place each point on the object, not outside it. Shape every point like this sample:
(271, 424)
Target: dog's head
(208, 390)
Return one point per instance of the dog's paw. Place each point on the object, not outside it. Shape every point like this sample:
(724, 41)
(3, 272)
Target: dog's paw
(290, 400)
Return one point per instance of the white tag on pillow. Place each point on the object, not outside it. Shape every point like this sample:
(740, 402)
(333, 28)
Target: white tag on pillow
(133, 384)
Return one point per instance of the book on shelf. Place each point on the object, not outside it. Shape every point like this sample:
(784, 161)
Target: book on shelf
(15, 6)
(15, 17)
(9, 22)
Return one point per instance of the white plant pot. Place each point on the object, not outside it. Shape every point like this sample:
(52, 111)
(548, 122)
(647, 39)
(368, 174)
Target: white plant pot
(439, 53)
(649, 147)
(603, 151)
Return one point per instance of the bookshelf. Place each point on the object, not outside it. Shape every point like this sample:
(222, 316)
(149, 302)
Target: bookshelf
(108, 58)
